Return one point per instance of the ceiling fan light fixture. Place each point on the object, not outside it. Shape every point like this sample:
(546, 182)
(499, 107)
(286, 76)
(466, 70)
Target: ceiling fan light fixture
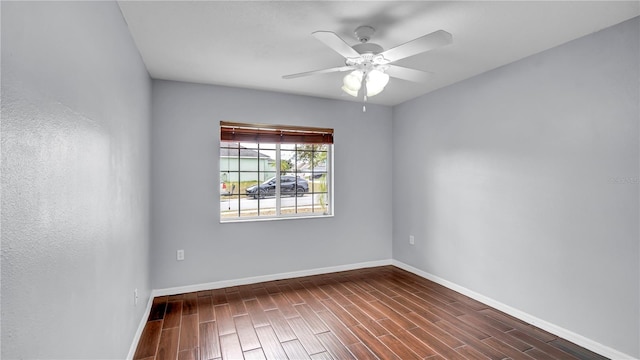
(376, 81)
(352, 82)
(368, 62)
(350, 92)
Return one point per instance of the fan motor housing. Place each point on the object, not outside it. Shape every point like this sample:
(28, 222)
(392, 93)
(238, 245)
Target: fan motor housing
(363, 33)
(368, 48)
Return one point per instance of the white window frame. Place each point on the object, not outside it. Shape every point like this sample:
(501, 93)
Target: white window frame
(329, 178)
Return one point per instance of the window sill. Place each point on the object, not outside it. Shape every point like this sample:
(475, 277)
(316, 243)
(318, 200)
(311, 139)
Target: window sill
(259, 219)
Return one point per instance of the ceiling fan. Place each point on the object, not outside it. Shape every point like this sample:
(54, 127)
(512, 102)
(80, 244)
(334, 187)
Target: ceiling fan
(370, 65)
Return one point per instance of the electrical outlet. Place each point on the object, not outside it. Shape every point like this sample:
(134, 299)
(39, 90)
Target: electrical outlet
(135, 296)
(180, 255)
(412, 240)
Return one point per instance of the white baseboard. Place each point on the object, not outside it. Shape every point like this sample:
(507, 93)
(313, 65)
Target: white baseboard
(545, 325)
(242, 281)
(143, 322)
(263, 278)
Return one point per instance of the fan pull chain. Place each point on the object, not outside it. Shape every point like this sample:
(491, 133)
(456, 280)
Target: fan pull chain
(364, 106)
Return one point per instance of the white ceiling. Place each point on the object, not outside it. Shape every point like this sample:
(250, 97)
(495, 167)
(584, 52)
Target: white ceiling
(252, 44)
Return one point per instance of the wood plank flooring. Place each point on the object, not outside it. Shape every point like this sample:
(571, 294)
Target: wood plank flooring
(376, 313)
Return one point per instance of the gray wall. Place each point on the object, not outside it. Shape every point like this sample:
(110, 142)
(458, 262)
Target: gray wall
(185, 176)
(524, 185)
(75, 170)
(529, 178)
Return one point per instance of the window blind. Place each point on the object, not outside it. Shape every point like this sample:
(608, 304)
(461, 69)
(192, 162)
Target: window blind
(279, 134)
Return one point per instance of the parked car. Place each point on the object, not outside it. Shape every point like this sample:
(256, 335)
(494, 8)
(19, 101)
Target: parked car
(289, 185)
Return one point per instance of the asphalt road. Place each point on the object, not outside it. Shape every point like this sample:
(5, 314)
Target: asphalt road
(231, 203)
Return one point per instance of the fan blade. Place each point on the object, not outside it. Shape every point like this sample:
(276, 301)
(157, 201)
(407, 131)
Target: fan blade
(316, 72)
(407, 74)
(416, 46)
(336, 43)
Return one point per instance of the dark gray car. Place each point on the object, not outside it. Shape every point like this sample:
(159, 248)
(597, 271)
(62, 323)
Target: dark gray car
(289, 185)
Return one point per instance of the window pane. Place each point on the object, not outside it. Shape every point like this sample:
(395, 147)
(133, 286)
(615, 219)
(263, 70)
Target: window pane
(287, 162)
(228, 153)
(229, 184)
(262, 206)
(228, 146)
(303, 160)
(248, 180)
(249, 183)
(292, 194)
(320, 203)
(229, 198)
(306, 175)
(319, 183)
(262, 146)
(259, 199)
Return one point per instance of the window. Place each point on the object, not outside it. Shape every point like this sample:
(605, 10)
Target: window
(274, 171)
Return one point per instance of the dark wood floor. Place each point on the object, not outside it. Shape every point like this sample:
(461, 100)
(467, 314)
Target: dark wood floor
(377, 313)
